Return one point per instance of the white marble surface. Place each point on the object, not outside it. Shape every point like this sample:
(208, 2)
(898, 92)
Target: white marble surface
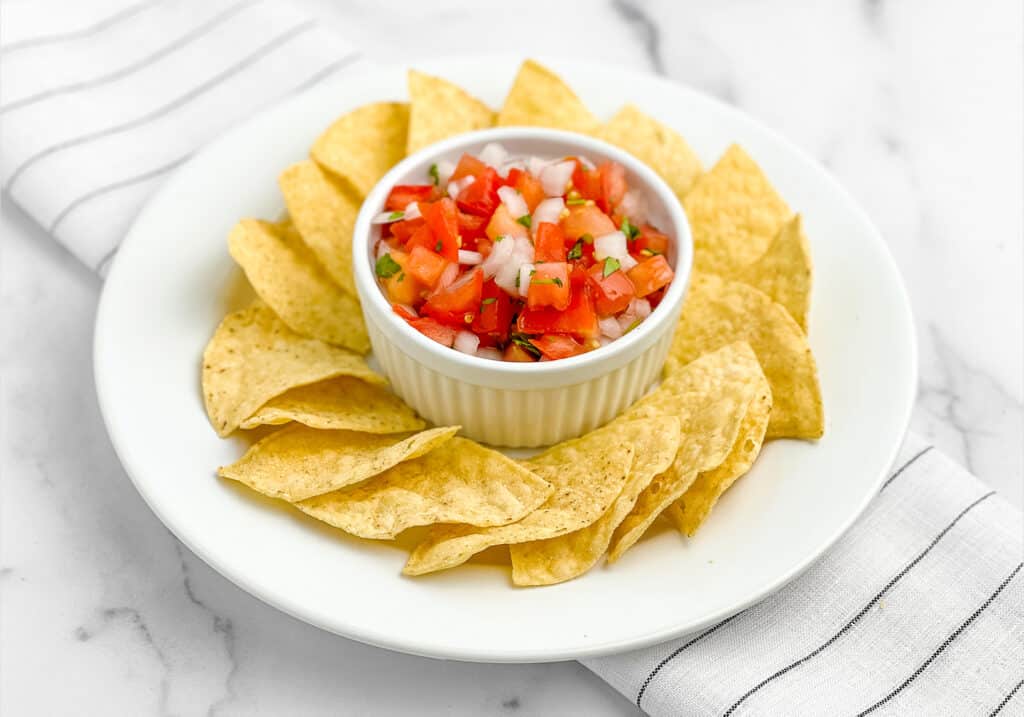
(916, 106)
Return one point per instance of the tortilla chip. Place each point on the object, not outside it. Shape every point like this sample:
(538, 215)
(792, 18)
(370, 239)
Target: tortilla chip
(439, 109)
(694, 507)
(324, 212)
(286, 275)
(540, 98)
(734, 213)
(458, 482)
(655, 144)
(554, 560)
(784, 271)
(253, 357)
(299, 462)
(587, 473)
(361, 146)
(341, 403)
(711, 396)
(718, 312)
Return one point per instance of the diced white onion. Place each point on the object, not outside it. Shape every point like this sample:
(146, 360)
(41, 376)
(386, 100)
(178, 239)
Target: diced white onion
(509, 164)
(640, 307)
(627, 262)
(445, 170)
(513, 201)
(470, 258)
(555, 178)
(388, 217)
(613, 244)
(493, 154)
(536, 165)
(412, 210)
(525, 272)
(604, 341)
(409, 309)
(610, 327)
(381, 250)
(489, 352)
(450, 273)
(550, 210)
(585, 161)
(634, 206)
(467, 342)
(454, 188)
(500, 254)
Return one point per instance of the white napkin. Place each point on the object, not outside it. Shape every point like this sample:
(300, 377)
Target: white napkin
(917, 610)
(100, 100)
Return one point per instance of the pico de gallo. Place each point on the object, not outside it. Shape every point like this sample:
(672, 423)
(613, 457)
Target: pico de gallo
(521, 259)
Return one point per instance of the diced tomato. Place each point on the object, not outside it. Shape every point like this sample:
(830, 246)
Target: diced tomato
(531, 189)
(402, 194)
(425, 265)
(650, 275)
(421, 237)
(402, 288)
(405, 229)
(484, 246)
(549, 286)
(458, 303)
(443, 219)
(650, 239)
(403, 311)
(504, 224)
(471, 228)
(444, 335)
(549, 243)
(586, 219)
(612, 293)
(553, 346)
(579, 318)
(495, 313)
(586, 182)
(613, 185)
(481, 197)
(468, 166)
(515, 352)
(512, 177)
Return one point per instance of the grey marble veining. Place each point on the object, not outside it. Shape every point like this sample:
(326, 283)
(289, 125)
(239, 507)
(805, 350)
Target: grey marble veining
(915, 106)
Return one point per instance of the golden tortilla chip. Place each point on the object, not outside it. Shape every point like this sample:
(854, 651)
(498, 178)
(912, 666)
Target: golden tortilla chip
(693, 508)
(556, 559)
(656, 145)
(458, 482)
(540, 98)
(439, 109)
(718, 312)
(341, 403)
(286, 275)
(361, 146)
(253, 357)
(734, 213)
(299, 462)
(587, 474)
(784, 271)
(324, 212)
(711, 396)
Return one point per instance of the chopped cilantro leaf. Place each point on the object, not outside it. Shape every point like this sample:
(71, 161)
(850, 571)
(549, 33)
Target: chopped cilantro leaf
(587, 238)
(576, 202)
(387, 267)
(577, 250)
(393, 216)
(489, 300)
(540, 282)
(435, 175)
(439, 246)
(629, 229)
(636, 322)
(401, 277)
(611, 265)
(523, 342)
(524, 220)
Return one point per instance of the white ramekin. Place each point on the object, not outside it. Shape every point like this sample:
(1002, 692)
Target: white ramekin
(521, 404)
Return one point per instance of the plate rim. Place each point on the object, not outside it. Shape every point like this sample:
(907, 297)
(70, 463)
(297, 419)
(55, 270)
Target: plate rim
(411, 646)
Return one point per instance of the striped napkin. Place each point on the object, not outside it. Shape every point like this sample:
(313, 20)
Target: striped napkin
(917, 610)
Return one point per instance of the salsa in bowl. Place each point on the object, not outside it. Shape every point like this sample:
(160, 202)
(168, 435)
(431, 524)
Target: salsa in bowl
(510, 373)
(521, 257)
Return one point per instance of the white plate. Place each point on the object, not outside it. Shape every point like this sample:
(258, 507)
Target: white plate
(168, 290)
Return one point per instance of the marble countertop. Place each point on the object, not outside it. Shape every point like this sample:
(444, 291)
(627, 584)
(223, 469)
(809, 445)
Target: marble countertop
(915, 106)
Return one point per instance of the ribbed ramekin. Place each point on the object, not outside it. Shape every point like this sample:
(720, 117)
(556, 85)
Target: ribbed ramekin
(521, 404)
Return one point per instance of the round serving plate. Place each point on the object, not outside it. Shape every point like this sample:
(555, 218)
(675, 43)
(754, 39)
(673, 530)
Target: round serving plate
(173, 281)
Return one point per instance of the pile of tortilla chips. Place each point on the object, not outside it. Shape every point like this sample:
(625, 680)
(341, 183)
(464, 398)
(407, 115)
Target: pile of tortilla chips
(353, 455)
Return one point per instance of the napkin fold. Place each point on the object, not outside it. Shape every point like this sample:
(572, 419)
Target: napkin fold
(916, 610)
